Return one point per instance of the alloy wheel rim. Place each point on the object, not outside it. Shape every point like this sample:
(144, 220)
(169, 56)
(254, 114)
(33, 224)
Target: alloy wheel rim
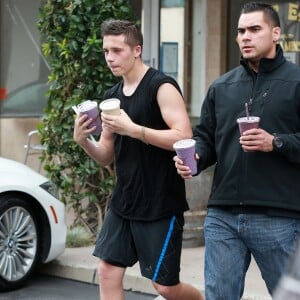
(18, 243)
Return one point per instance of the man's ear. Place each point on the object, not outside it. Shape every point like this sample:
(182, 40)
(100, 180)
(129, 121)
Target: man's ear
(276, 34)
(138, 51)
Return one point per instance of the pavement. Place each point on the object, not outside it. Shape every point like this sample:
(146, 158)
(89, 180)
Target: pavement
(79, 264)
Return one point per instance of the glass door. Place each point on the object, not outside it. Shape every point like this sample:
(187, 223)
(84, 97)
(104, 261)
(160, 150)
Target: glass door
(173, 43)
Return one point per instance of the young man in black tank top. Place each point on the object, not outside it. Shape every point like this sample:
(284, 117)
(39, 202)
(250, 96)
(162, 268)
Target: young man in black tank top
(145, 218)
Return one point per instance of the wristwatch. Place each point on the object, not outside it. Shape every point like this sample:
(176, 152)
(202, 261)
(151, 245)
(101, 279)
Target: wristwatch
(277, 142)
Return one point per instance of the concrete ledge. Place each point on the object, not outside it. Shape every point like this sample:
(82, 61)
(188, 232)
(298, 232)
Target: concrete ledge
(71, 272)
(132, 280)
(79, 264)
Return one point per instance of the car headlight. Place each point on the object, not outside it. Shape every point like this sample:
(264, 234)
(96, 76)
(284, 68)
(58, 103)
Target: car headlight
(51, 188)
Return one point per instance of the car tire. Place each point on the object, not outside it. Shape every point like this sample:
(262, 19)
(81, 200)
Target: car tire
(19, 241)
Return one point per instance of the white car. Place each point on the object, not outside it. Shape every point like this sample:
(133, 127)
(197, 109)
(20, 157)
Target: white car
(32, 223)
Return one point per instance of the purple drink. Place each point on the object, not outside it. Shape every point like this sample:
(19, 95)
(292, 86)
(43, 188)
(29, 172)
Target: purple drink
(247, 123)
(185, 150)
(91, 109)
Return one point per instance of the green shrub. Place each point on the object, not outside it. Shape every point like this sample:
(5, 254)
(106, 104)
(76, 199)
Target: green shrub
(78, 237)
(73, 47)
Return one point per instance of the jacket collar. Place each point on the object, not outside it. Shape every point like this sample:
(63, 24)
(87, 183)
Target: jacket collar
(266, 65)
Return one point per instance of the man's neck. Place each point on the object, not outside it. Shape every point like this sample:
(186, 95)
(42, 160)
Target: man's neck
(254, 66)
(132, 79)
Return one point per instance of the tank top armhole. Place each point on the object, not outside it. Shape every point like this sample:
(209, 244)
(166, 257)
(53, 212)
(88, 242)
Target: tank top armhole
(159, 80)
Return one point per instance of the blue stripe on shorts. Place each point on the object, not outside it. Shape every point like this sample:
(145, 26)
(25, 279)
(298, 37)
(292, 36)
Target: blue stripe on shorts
(164, 248)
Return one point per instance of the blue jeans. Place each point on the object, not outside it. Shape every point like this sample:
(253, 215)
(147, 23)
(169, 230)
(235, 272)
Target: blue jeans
(230, 239)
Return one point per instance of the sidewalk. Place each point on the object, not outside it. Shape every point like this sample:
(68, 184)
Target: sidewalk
(79, 264)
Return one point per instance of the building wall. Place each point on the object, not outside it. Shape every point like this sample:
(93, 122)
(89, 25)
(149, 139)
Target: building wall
(216, 45)
(216, 42)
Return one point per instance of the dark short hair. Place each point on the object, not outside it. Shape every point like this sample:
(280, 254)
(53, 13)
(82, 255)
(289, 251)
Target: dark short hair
(133, 35)
(270, 14)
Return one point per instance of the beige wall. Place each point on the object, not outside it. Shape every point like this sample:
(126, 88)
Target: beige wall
(216, 42)
(13, 137)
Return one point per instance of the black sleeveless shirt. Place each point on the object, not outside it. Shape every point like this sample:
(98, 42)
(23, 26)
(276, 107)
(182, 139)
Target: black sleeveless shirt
(148, 186)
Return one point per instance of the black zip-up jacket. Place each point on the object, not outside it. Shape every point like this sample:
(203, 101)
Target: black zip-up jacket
(255, 179)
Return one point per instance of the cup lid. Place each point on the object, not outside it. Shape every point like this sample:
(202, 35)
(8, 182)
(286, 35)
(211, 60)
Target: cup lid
(250, 119)
(112, 103)
(185, 143)
(86, 105)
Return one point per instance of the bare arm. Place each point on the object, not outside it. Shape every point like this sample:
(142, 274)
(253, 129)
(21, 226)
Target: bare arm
(173, 112)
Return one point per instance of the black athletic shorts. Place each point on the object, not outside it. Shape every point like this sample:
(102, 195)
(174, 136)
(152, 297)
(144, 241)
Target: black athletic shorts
(156, 245)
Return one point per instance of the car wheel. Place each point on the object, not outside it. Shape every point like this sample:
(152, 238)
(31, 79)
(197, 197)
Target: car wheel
(19, 241)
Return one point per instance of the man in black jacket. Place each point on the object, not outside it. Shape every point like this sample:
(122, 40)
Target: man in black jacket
(254, 206)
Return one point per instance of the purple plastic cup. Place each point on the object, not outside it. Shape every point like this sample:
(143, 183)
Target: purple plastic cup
(91, 109)
(185, 150)
(247, 123)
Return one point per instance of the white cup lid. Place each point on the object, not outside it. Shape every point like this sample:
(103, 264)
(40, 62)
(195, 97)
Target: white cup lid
(86, 105)
(112, 103)
(250, 119)
(186, 143)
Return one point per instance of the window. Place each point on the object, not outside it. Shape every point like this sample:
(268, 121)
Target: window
(23, 68)
(290, 30)
(172, 34)
(181, 48)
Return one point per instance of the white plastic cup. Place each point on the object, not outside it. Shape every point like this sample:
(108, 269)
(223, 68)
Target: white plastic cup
(185, 150)
(110, 106)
